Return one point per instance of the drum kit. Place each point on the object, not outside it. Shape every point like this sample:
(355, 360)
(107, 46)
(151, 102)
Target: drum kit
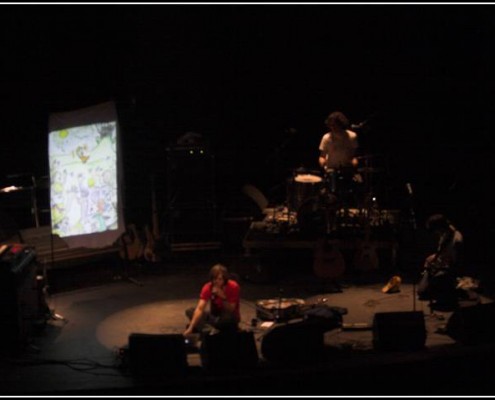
(339, 198)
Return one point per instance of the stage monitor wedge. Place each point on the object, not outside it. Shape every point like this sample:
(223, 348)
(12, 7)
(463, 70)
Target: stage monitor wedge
(229, 352)
(399, 331)
(300, 342)
(473, 325)
(157, 354)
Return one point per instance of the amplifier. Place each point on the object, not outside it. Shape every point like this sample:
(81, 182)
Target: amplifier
(14, 258)
(20, 309)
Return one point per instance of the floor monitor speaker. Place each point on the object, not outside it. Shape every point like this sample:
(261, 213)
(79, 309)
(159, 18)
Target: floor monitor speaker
(157, 354)
(473, 324)
(399, 331)
(229, 351)
(293, 342)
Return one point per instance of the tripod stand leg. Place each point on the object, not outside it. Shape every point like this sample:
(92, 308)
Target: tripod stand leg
(57, 317)
(126, 261)
(48, 313)
(125, 275)
(135, 281)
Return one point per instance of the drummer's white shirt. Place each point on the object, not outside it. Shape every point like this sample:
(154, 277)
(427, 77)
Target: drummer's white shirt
(339, 152)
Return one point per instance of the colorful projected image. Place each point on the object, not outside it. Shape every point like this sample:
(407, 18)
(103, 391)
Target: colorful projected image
(83, 179)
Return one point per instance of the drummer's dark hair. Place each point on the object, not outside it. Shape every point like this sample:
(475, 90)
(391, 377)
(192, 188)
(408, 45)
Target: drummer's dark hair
(338, 118)
(219, 269)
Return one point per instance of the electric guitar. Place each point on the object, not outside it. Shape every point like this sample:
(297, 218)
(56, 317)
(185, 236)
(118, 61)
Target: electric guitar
(436, 263)
(328, 261)
(152, 235)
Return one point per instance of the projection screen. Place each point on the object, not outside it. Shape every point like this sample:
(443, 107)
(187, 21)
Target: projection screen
(86, 176)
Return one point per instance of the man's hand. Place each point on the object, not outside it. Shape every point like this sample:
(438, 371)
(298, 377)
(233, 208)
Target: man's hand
(219, 292)
(188, 331)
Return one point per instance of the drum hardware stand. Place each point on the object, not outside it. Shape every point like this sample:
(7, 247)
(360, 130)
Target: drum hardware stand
(277, 317)
(326, 196)
(328, 230)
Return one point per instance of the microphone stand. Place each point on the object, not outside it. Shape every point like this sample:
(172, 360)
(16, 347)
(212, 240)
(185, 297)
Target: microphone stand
(51, 314)
(415, 228)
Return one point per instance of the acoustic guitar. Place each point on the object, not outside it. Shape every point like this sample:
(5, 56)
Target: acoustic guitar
(328, 261)
(366, 258)
(131, 246)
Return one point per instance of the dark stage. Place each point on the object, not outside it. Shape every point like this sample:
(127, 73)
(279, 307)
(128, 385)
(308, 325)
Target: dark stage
(102, 303)
(219, 113)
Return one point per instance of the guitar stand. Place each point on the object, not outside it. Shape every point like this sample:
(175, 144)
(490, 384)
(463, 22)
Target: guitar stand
(126, 263)
(50, 314)
(42, 288)
(125, 277)
(53, 316)
(131, 280)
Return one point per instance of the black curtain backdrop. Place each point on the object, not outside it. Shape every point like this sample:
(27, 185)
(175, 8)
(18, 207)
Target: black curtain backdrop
(258, 81)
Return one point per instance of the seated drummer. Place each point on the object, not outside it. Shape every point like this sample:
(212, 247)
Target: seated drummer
(338, 147)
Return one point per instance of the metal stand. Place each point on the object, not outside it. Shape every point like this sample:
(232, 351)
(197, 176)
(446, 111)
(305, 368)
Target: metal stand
(50, 314)
(126, 263)
(278, 317)
(414, 224)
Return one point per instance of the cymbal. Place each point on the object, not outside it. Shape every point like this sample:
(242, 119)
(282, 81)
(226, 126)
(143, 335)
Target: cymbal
(13, 188)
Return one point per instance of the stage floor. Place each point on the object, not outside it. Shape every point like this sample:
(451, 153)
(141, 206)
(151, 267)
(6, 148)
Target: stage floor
(83, 353)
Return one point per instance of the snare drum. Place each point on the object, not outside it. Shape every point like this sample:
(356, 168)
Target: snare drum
(279, 309)
(303, 187)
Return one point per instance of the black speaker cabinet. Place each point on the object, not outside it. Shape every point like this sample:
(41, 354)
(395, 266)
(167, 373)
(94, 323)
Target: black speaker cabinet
(190, 176)
(399, 331)
(20, 295)
(157, 354)
(473, 325)
(229, 351)
(294, 342)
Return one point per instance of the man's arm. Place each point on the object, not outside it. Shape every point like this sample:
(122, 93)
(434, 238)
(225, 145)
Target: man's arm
(198, 312)
(322, 159)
